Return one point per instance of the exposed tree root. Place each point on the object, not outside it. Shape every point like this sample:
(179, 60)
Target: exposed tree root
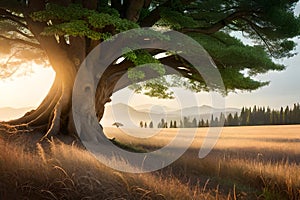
(55, 123)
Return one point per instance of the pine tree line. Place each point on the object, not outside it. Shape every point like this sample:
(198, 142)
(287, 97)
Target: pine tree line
(266, 116)
(247, 117)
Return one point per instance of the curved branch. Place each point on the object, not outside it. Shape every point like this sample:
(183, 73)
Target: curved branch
(22, 33)
(151, 19)
(154, 15)
(181, 66)
(255, 29)
(22, 42)
(14, 20)
(5, 12)
(171, 61)
(218, 25)
(8, 73)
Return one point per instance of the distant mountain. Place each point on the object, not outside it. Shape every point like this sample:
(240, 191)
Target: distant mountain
(8, 113)
(153, 108)
(204, 110)
(131, 117)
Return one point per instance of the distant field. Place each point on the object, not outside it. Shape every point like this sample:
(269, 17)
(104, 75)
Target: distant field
(247, 163)
(283, 138)
(254, 162)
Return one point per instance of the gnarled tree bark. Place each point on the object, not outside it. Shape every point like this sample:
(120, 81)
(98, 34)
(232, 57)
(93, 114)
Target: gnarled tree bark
(54, 115)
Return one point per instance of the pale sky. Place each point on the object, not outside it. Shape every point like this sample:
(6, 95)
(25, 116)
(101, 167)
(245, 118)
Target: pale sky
(26, 91)
(284, 89)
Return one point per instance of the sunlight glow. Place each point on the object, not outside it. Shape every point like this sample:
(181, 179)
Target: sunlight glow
(26, 91)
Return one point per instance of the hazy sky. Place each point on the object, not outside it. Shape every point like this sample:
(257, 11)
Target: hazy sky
(26, 91)
(283, 90)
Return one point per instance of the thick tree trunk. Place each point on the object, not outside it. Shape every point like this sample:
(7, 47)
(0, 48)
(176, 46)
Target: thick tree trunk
(54, 115)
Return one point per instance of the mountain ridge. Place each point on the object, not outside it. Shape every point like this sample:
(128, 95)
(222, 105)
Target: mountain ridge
(131, 116)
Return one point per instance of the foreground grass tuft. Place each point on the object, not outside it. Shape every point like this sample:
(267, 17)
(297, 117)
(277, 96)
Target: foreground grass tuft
(67, 172)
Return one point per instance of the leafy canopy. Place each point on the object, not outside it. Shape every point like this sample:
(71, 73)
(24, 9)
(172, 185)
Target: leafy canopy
(78, 21)
(270, 24)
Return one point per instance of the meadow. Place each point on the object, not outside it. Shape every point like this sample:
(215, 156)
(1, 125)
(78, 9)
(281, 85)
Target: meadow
(261, 162)
(251, 162)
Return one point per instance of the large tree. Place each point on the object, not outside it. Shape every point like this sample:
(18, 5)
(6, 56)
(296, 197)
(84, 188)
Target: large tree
(64, 32)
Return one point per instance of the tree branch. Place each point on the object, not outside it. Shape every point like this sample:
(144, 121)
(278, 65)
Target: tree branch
(151, 19)
(218, 25)
(188, 71)
(255, 29)
(22, 41)
(15, 21)
(133, 8)
(154, 15)
(118, 71)
(12, 70)
(4, 14)
(23, 34)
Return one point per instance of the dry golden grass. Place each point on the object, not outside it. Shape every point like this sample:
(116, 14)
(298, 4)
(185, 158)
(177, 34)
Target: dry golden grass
(284, 138)
(246, 163)
(260, 162)
(67, 172)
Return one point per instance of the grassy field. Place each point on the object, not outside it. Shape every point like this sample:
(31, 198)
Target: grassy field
(261, 162)
(246, 163)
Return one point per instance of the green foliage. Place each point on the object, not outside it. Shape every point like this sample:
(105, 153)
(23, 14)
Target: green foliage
(228, 51)
(275, 23)
(75, 20)
(56, 12)
(208, 12)
(285, 48)
(233, 57)
(268, 23)
(74, 27)
(100, 20)
(148, 33)
(193, 85)
(156, 87)
(233, 79)
(142, 59)
(144, 13)
(176, 20)
(282, 20)
(108, 10)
